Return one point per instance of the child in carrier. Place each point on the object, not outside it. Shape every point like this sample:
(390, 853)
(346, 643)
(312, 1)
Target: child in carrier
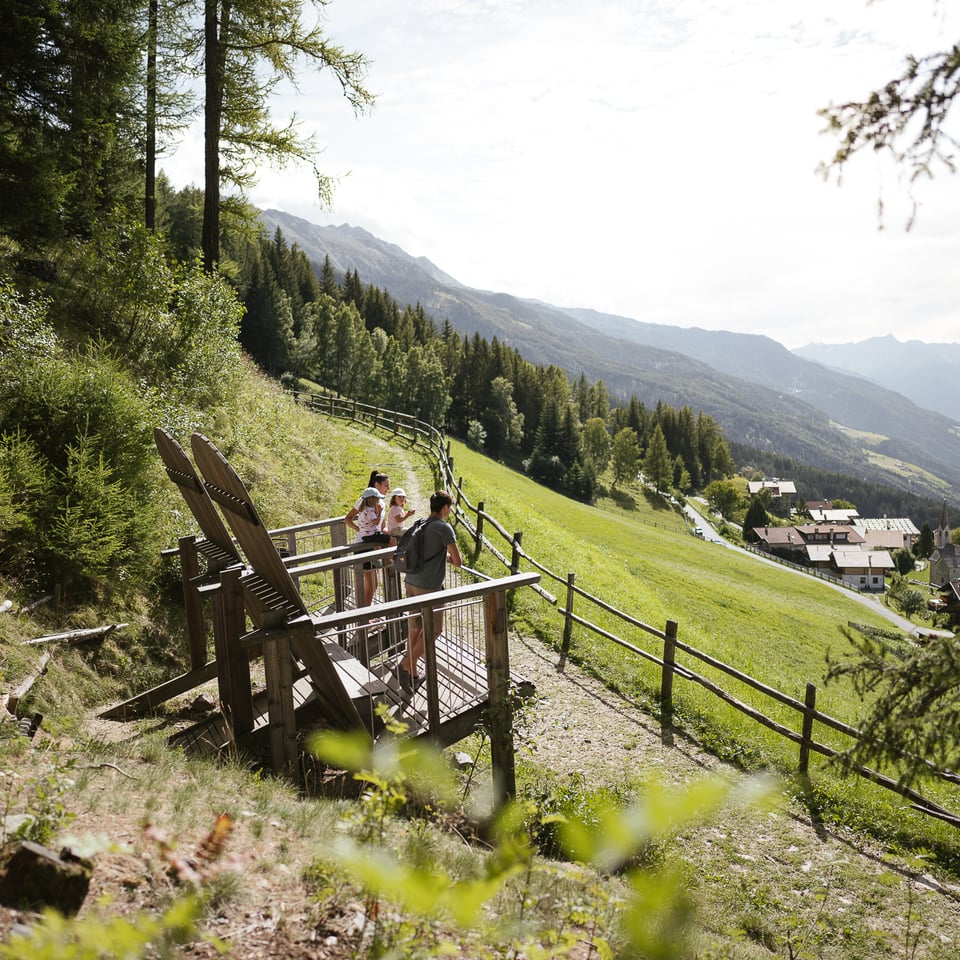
(397, 513)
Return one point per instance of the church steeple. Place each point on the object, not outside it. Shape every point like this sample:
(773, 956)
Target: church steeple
(941, 536)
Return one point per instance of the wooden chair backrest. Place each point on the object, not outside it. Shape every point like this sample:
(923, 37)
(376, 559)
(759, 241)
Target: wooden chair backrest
(276, 595)
(182, 472)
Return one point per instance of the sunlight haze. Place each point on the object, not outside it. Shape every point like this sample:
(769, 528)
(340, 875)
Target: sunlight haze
(651, 159)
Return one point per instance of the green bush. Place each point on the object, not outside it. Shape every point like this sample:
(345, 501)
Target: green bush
(78, 470)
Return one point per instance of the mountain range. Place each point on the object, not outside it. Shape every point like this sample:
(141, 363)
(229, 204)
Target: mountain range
(761, 394)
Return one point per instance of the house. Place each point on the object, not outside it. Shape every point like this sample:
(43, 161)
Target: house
(835, 534)
(782, 541)
(778, 489)
(888, 533)
(862, 569)
(838, 548)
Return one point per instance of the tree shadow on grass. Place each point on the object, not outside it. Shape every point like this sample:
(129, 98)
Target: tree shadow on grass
(657, 501)
(623, 499)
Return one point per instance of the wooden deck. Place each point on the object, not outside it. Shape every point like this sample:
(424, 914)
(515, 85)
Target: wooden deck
(337, 667)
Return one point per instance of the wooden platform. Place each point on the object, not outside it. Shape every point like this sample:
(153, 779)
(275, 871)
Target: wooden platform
(461, 692)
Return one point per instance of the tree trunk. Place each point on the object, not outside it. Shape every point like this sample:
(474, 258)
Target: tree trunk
(210, 235)
(150, 184)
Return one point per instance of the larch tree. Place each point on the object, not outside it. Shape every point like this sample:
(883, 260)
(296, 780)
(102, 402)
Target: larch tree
(907, 117)
(913, 718)
(249, 48)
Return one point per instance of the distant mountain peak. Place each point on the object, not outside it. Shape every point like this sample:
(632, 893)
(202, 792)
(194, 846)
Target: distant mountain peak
(761, 394)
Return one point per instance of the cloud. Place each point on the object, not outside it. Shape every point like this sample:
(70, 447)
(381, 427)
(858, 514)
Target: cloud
(650, 158)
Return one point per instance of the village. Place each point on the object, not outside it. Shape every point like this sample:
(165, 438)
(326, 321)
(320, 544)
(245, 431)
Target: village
(858, 551)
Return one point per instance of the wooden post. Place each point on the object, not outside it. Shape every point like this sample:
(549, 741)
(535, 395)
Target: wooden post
(278, 672)
(449, 479)
(430, 660)
(291, 543)
(479, 537)
(234, 670)
(666, 677)
(196, 632)
(501, 706)
(809, 706)
(338, 538)
(568, 616)
(515, 558)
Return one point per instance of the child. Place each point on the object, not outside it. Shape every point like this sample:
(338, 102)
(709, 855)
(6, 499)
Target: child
(368, 522)
(398, 512)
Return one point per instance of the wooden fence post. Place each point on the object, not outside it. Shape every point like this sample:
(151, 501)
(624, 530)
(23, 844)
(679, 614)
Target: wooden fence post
(338, 538)
(809, 706)
(666, 677)
(233, 662)
(501, 706)
(196, 632)
(430, 662)
(515, 557)
(568, 615)
(479, 538)
(278, 674)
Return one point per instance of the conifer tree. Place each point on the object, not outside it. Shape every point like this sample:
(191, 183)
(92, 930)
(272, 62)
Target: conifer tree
(625, 455)
(249, 47)
(657, 464)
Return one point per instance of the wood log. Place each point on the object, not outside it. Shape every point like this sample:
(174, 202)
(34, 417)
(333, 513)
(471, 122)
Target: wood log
(21, 690)
(37, 603)
(77, 636)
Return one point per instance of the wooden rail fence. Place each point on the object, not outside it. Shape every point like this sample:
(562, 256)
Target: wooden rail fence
(477, 522)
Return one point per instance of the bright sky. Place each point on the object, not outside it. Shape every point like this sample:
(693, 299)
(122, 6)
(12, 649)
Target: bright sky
(649, 158)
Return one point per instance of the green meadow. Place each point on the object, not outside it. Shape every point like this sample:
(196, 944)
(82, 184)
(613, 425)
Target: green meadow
(633, 551)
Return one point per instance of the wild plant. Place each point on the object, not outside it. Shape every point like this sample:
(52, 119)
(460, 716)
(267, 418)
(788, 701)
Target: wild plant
(655, 919)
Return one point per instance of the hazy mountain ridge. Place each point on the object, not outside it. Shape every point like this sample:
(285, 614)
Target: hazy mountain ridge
(757, 390)
(924, 372)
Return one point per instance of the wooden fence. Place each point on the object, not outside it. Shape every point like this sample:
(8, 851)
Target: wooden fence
(478, 522)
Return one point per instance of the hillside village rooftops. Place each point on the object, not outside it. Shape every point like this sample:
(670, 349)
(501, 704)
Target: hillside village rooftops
(779, 536)
(830, 532)
(903, 524)
(832, 516)
(777, 488)
(846, 558)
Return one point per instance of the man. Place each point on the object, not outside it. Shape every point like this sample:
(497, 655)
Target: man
(439, 545)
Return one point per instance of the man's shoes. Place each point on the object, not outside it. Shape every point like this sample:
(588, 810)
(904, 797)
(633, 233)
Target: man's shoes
(409, 682)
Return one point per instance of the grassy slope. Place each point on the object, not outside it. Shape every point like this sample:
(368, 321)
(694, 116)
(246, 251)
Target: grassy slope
(300, 466)
(772, 624)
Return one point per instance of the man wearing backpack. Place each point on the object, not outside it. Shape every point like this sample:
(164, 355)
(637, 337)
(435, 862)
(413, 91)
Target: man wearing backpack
(439, 545)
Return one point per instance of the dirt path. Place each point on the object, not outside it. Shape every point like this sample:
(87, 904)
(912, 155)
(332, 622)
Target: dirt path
(777, 867)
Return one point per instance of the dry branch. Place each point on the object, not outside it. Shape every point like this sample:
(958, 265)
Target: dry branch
(76, 636)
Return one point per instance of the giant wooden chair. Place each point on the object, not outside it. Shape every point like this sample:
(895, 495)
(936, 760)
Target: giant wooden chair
(277, 609)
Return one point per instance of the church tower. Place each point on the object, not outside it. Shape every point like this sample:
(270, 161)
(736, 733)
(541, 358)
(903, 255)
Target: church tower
(941, 536)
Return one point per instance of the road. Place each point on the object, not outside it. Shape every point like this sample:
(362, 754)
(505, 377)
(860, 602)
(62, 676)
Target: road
(870, 601)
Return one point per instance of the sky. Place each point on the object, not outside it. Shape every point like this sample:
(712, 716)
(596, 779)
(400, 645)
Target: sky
(654, 159)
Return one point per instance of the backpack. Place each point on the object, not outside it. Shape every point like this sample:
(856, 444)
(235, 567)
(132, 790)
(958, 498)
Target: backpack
(408, 556)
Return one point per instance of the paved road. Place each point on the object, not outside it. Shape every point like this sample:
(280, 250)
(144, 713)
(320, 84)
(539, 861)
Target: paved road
(868, 600)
